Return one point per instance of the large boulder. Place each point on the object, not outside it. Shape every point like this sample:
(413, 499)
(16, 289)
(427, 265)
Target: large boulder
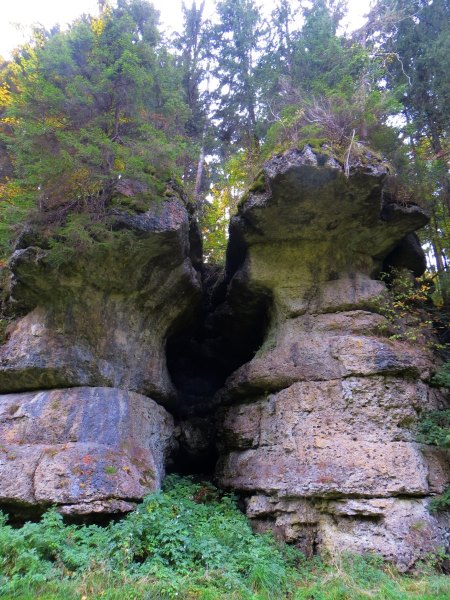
(86, 450)
(318, 429)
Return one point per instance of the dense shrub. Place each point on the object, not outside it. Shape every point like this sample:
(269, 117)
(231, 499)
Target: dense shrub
(435, 430)
(189, 542)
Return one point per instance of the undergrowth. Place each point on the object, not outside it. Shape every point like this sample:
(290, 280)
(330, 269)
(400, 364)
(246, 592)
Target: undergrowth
(434, 429)
(404, 308)
(188, 542)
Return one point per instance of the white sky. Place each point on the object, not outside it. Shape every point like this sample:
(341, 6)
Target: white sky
(50, 12)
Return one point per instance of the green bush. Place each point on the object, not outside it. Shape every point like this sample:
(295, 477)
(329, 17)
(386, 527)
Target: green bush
(434, 429)
(186, 538)
(442, 377)
(189, 542)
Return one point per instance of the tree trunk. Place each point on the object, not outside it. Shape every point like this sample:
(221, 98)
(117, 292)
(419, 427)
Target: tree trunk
(199, 180)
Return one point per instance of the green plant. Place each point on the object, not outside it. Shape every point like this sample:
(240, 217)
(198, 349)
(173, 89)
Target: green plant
(442, 376)
(111, 470)
(404, 307)
(441, 502)
(189, 541)
(3, 326)
(434, 429)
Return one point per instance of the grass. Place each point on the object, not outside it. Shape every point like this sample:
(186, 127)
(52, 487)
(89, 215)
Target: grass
(188, 542)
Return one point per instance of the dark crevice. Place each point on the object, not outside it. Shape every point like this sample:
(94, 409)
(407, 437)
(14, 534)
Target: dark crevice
(228, 329)
(221, 338)
(407, 254)
(18, 515)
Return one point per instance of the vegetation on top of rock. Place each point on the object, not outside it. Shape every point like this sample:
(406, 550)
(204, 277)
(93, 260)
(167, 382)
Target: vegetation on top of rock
(86, 110)
(111, 97)
(98, 102)
(188, 542)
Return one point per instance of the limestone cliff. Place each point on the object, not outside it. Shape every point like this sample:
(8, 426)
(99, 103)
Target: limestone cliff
(318, 428)
(99, 319)
(286, 368)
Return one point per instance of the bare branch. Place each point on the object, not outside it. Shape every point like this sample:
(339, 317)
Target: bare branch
(347, 160)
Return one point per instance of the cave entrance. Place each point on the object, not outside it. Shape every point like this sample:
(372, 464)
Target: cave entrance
(225, 333)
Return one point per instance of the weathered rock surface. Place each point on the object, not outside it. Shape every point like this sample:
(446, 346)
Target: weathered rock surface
(102, 317)
(98, 316)
(84, 449)
(318, 429)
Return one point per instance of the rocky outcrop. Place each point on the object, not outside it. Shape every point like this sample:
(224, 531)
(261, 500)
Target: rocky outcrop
(287, 361)
(101, 317)
(85, 449)
(317, 430)
(93, 333)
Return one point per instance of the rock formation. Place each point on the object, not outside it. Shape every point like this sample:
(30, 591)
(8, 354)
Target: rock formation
(318, 428)
(116, 360)
(100, 318)
(86, 449)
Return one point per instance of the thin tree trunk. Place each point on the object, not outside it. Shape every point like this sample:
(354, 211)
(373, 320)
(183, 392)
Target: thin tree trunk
(199, 181)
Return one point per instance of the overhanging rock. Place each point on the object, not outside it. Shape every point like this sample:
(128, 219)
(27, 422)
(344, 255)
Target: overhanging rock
(317, 430)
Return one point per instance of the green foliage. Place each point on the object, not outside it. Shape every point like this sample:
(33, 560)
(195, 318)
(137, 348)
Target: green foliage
(79, 236)
(110, 97)
(442, 377)
(100, 101)
(188, 542)
(403, 307)
(186, 539)
(3, 326)
(435, 429)
(237, 38)
(442, 502)
(214, 227)
(411, 38)
(351, 577)
(81, 109)
(15, 208)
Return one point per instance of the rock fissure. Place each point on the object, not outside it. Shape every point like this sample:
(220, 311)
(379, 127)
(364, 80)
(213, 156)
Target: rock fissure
(275, 375)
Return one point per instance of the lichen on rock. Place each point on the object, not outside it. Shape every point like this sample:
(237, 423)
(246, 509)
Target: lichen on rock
(84, 361)
(103, 316)
(85, 449)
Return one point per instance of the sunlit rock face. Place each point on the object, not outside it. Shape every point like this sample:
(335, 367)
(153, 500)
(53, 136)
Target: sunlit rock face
(317, 430)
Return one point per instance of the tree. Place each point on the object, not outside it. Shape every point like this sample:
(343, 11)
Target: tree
(98, 102)
(324, 84)
(193, 47)
(413, 39)
(237, 41)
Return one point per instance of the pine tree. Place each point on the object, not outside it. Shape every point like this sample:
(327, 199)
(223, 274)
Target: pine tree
(98, 102)
(413, 39)
(237, 41)
(193, 47)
